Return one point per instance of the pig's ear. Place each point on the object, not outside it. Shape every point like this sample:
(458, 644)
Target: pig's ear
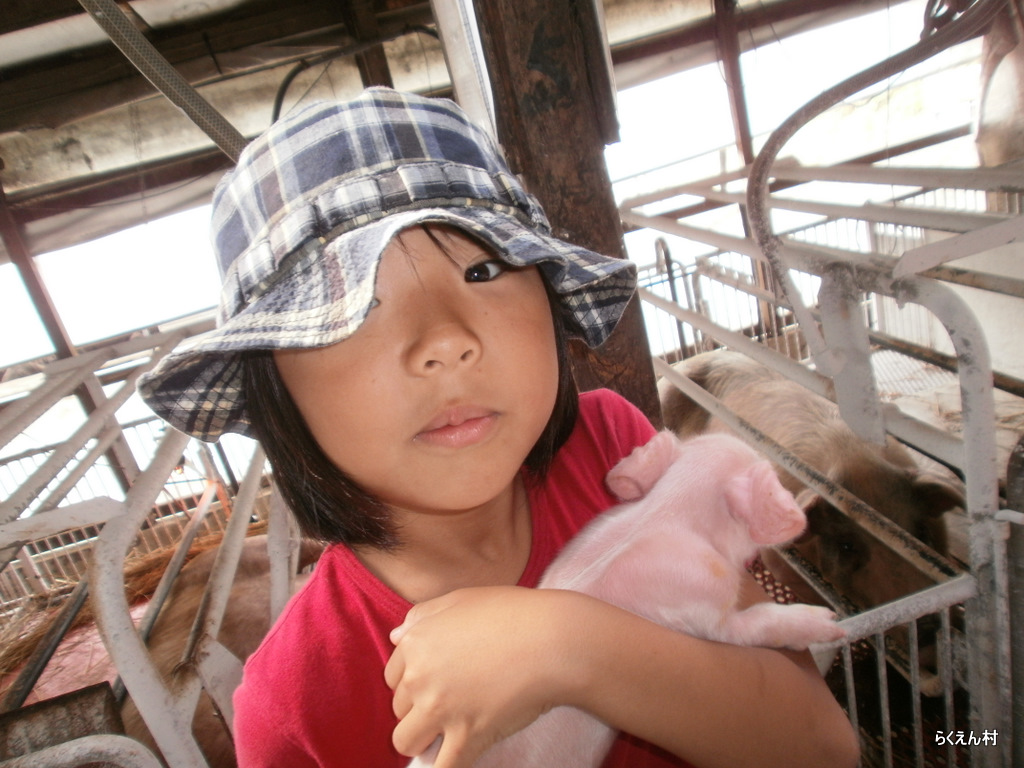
(813, 505)
(938, 493)
(636, 474)
(770, 512)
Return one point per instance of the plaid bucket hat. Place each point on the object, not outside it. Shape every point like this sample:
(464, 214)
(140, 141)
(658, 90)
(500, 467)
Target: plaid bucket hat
(300, 224)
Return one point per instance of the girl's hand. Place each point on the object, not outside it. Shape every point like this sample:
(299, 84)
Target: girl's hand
(477, 665)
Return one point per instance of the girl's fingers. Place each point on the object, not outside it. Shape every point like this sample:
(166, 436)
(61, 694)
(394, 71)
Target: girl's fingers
(401, 704)
(412, 736)
(394, 670)
(456, 753)
(421, 611)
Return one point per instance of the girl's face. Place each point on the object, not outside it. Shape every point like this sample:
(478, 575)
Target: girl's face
(433, 404)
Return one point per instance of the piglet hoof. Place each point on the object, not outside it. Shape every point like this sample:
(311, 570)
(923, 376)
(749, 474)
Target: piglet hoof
(806, 625)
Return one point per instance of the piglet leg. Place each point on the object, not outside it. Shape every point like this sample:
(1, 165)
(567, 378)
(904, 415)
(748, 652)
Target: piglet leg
(780, 626)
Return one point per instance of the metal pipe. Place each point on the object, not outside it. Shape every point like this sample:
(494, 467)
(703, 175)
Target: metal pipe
(975, 19)
(213, 604)
(945, 650)
(105, 749)
(1015, 557)
(104, 440)
(851, 688)
(665, 257)
(45, 648)
(883, 698)
(991, 179)
(165, 78)
(57, 385)
(169, 724)
(816, 260)
(987, 613)
(174, 566)
(938, 253)
(903, 215)
(282, 555)
(915, 688)
(906, 609)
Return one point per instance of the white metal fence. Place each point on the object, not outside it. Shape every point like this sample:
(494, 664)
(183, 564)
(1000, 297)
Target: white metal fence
(73, 511)
(875, 321)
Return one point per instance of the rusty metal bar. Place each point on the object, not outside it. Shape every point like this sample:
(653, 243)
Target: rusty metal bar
(213, 604)
(883, 698)
(105, 749)
(906, 609)
(171, 571)
(1015, 547)
(165, 78)
(44, 650)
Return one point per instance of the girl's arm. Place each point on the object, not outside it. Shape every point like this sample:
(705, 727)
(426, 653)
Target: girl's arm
(479, 664)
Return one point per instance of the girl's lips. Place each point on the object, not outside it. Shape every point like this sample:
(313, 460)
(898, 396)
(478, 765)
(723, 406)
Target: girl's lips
(458, 427)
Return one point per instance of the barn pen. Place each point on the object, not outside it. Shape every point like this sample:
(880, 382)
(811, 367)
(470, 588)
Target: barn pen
(64, 495)
(849, 306)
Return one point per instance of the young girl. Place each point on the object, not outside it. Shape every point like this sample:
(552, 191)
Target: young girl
(393, 329)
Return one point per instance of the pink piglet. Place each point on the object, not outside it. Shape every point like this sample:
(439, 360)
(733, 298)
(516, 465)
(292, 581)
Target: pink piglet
(694, 514)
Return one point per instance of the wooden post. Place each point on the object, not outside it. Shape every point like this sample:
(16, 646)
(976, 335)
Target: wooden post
(372, 63)
(554, 107)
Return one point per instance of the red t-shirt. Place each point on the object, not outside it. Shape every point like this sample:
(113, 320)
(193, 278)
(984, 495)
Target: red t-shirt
(313, 694)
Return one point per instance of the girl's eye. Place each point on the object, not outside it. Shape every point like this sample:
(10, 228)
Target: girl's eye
(485, 271)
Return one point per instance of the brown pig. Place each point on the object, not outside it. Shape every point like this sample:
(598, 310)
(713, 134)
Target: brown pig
(885, 476)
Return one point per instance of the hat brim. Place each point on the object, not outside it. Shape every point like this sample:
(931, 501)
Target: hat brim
(327, 290)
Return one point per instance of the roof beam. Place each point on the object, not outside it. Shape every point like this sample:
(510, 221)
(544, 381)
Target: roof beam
(11, 234)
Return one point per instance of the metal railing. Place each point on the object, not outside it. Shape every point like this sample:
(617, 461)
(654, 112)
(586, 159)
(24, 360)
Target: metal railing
(864, 279)
(68, 529)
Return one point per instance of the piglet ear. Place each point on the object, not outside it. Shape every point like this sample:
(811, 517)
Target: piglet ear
(770, 512)
(636, 474)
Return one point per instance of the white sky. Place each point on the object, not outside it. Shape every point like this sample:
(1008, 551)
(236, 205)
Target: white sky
(165, 269)
(138, 277)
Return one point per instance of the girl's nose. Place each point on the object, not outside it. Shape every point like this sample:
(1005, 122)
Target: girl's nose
(443, 344)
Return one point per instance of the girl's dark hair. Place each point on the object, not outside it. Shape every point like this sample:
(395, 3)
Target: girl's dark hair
(328, 505)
